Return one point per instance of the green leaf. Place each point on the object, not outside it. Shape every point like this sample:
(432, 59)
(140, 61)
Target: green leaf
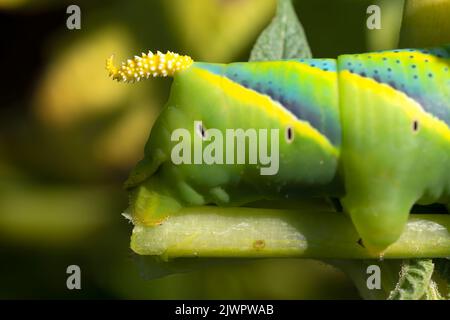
(432, 292)
(414, 281)
(217, 31)
(425, 23)
(284, 38)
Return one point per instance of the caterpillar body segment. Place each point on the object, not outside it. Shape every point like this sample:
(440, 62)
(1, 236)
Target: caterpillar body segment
(395, 139)
(372, 129)
(307, 163)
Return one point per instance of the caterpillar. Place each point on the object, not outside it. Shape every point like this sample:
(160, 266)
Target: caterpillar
(372, 129)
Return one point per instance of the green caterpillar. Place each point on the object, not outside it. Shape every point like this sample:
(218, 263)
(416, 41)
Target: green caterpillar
(372, 129)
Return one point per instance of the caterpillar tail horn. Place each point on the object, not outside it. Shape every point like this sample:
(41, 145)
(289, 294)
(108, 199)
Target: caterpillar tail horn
(148, 65)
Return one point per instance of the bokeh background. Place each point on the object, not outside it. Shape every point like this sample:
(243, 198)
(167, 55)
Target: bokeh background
(69, 136)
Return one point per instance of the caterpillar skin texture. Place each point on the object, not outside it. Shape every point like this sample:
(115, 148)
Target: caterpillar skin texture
(371, 128)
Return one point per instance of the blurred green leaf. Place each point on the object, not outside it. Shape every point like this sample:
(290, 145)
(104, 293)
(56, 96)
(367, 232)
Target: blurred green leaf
(284, 38)
(231, 279)
(426, 23)
(53, 216)
(24, 4)
(442, 267)
(217, 30)
(153, 267)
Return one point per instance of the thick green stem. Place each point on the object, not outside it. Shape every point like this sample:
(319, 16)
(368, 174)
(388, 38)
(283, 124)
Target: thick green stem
(253, 232)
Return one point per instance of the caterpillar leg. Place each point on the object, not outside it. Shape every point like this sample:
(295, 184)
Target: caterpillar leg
(151, 203)
(378, 210)
(394, 154)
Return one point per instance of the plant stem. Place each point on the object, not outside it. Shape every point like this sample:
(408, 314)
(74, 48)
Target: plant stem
(269, 233)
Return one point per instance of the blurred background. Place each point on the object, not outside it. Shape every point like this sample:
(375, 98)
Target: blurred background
(69, 135)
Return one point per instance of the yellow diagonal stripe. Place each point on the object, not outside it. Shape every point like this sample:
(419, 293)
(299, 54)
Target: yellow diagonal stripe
(411, 108)
(255, 99)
